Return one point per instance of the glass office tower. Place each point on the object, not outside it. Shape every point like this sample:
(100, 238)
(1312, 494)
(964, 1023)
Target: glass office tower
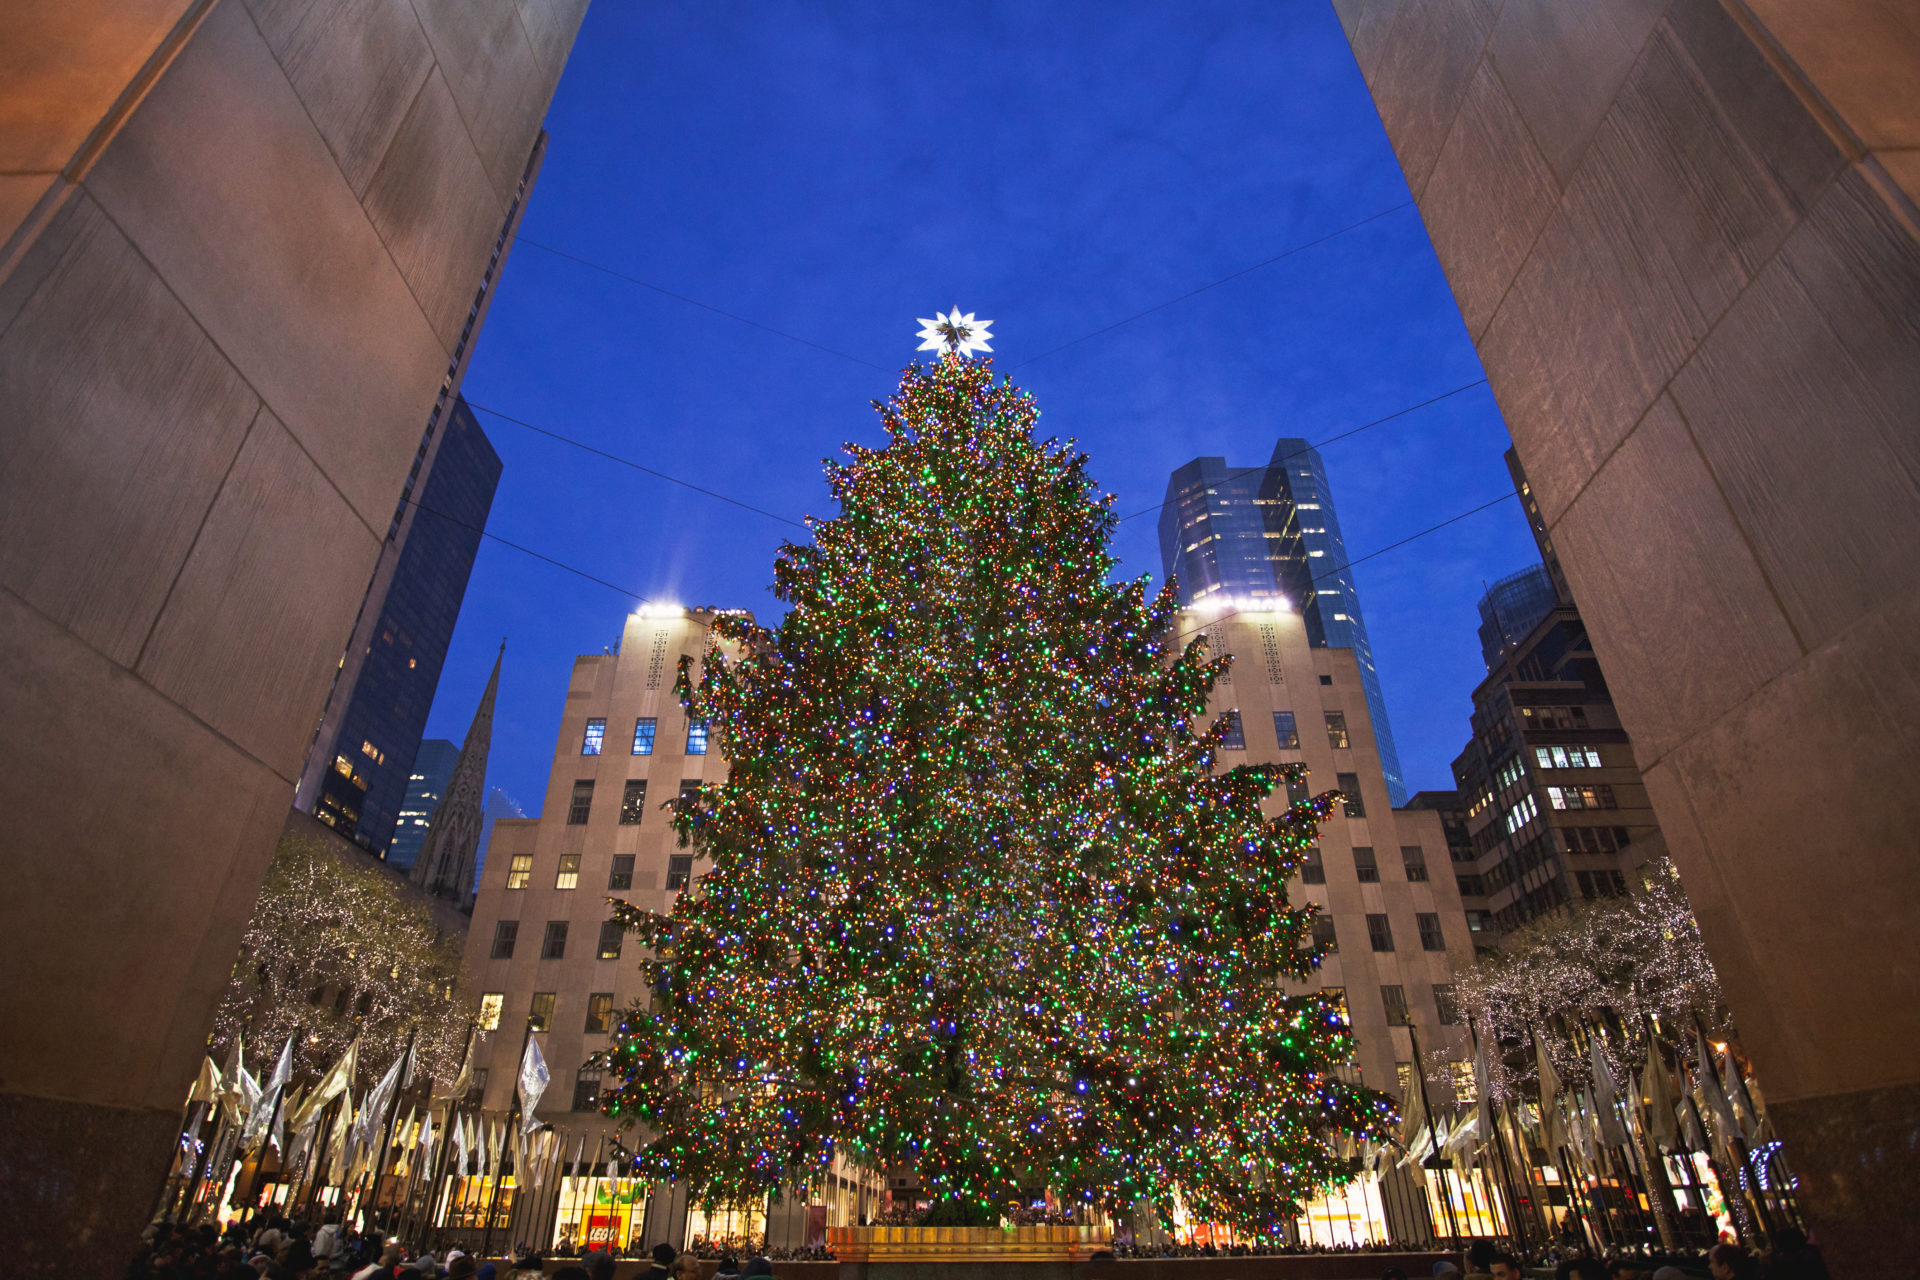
(1256, 534)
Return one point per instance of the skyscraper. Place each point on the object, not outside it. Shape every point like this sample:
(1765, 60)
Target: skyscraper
(1241, 534)
(357, 774)
(1510, 607)
(432, 771)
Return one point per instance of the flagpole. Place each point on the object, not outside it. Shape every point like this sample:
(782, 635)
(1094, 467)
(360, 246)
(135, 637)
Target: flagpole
(1433, 1134)
(393, 1118)
(513, 1118)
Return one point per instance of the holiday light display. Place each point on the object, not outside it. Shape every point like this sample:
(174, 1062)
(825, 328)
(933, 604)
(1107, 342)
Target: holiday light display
(979, 902)
(340, 951)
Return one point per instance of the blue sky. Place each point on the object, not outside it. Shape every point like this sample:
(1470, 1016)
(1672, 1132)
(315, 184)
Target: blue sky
(836, 170)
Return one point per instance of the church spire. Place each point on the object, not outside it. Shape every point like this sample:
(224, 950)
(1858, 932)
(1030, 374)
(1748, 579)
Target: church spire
(445, 865)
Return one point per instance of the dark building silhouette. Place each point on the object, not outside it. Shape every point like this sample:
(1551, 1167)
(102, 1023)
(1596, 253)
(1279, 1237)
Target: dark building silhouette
(1251, 535)
(357, 777)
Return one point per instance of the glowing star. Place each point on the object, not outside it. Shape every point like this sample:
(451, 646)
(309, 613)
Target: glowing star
(960, 334)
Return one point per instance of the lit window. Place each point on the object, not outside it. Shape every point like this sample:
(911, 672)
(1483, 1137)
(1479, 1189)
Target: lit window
(621, 877)
(504, 934)
(1337, 730)
(586, 1090)
(1446, 1004)
(679, 871)
(595, 735)
(372, 753)
(611, 935)
(1394, 997)
(696, 737)
(1364, 866)
(554, 946)
(1430, 938)
(491, 1004)
(1349, 786)
(343, 766)
(540, 1012)
(520, 871)
(569, 875)
(633, 802)
(581, 804)
(600, 1012)
(1285, 732)
(1414, 858)
(643, 736)
(1379, 933)
(1235, 737)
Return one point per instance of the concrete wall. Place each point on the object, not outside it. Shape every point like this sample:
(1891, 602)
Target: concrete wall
(1683, 235)
(238, 241)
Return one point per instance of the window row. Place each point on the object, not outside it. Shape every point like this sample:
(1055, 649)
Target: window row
(1326, 936)
(1600, 797)
(1567, 757)
(599, 1021)
(644, 728)
(1413, 860)
(1285, 731)
(1595, 839)
(1601, 884)
(1393, 998)
(633, 800)
(1553, 717)
(619, 876)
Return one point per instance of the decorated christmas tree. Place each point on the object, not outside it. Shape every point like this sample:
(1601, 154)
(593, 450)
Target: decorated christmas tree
(979, 901)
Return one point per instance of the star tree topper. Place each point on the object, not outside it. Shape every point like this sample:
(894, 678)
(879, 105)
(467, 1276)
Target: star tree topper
(962, 335)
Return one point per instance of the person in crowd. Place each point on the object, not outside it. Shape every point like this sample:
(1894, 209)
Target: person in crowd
(663, 1256)
(729, 1268)
(1503, 1266)
(1729, 1262)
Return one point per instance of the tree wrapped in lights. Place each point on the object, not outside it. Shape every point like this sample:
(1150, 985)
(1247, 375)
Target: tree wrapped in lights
(340, 950)
(1615, 962)
(979, 901)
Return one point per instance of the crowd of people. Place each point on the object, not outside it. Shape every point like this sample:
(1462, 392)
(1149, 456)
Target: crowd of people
(271, 1246)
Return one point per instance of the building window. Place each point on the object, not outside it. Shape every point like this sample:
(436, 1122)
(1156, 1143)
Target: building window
(600, 1012)
(477, 1089)
(1470, 884)
(1445, 1004)
(505, 933)
(1326, 679)
(1325, 937)
(520, 871)
(554, 947)
(1479, 922)
(633, 802)
(1312, 869)
(1524, 812)
(586, 1089)
(581, 804)
(1567, 757)
(1430, 939)
(643, 735)
(1600, 797)
(1379, 933)
(1285, 732)
(696, 737)
(1337, 730)
(491, 1003)
(1349, 784)
(679, 870)
(1337, 998)
(1364, 865)
(595, 735)
(1297, 788)
(689, 793)
(540, 1012)
(569, 877)
(621, 877)
(1234, 737)
(611, 932)
(1414, 858)
(1394, 997)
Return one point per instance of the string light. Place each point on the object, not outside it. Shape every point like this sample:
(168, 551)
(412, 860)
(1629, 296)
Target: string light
(978, 900)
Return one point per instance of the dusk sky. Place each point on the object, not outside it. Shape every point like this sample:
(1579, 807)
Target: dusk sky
(835, 171)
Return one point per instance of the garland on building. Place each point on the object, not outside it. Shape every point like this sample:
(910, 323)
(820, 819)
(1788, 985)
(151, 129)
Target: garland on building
(979, 902)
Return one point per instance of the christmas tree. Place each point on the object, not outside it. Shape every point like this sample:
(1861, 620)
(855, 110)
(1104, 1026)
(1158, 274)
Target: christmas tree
(979, 901)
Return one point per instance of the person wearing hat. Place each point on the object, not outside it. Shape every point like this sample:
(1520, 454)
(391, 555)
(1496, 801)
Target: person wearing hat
(663, 1256)
(459, 1266)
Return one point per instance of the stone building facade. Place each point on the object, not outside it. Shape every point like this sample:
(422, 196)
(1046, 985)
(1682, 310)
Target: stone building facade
(239, 248)
(1685, 238)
